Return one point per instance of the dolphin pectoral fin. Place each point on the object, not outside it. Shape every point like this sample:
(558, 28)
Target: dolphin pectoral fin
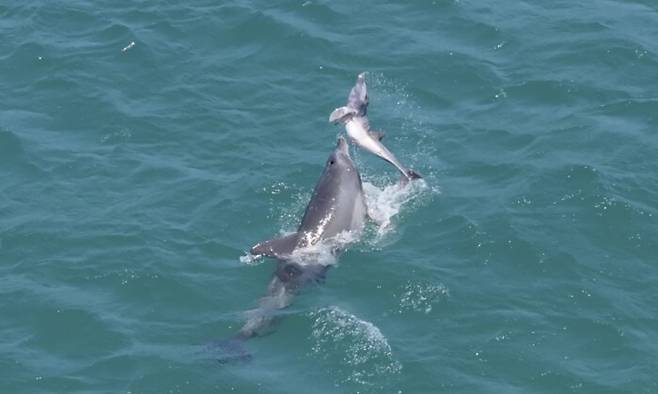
(378, 135)
(341, 113)
(276, 247)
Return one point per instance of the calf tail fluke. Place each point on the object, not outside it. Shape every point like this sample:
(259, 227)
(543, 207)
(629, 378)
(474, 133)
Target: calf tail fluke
(411, 174)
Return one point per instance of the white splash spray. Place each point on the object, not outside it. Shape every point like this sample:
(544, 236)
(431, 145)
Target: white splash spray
(367, 357)
(421, 297)
(385, 203)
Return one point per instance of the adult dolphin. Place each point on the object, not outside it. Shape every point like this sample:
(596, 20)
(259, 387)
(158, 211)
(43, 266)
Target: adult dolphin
(335, 215)
(354, 116)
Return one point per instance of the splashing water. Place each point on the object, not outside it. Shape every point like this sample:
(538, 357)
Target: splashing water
(421, 297)
(323, 252)
(385, 203)
(367, 356)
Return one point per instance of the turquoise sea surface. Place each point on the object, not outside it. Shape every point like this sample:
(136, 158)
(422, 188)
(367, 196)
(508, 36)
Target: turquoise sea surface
(145, 146)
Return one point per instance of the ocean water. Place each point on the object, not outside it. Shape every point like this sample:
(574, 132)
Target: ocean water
(146, 146)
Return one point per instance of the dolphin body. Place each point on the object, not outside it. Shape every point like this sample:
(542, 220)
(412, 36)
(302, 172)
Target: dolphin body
(337, 209)
(354, 116)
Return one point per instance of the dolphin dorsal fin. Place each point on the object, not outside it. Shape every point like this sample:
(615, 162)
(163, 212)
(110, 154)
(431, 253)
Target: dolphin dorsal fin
(277, 247)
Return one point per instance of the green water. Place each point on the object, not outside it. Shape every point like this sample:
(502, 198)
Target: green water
(133, 177)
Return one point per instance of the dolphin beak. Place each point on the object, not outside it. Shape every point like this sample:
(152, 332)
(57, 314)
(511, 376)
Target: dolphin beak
(342, 146)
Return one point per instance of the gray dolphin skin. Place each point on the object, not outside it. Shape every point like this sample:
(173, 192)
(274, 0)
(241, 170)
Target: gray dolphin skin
(354, 116)
(337, 207)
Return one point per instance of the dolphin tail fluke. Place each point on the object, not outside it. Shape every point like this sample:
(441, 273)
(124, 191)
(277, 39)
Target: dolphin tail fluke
(276, 247)
(229, 351)
(341, 114)
(409, 175)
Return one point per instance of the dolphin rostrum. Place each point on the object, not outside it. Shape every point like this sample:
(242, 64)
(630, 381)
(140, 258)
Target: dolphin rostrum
(354, 116)
(335, 215)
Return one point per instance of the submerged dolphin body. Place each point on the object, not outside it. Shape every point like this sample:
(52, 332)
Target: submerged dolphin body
(354, 116)
(336, 213)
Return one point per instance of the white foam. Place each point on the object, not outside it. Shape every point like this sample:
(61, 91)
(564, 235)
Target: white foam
(320, 253)
(250, 259)
(385, 203)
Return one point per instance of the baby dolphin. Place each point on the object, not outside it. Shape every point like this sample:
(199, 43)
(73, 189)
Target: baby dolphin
(354, 116)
